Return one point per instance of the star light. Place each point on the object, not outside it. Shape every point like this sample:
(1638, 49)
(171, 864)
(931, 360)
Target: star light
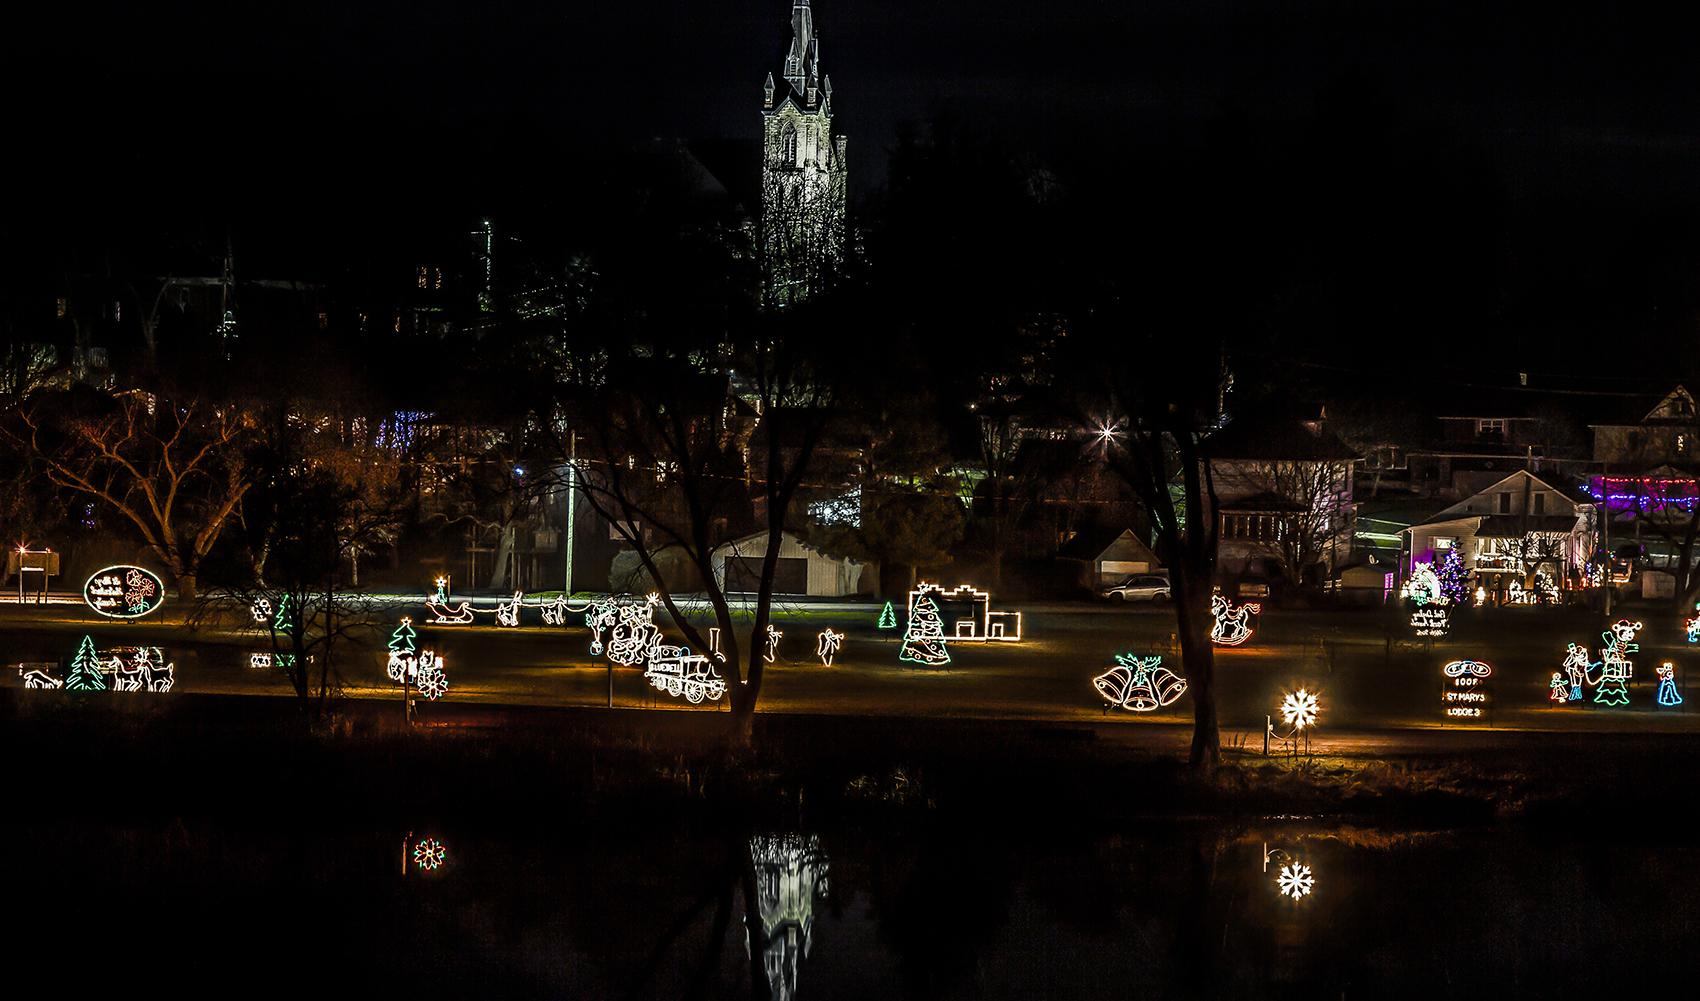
(1299, 709)
(1295, 880)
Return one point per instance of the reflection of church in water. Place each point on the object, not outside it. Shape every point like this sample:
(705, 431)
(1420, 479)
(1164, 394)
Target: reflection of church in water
(790, 873)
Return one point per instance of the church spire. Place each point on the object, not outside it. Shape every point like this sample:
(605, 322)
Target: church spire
(801, 67)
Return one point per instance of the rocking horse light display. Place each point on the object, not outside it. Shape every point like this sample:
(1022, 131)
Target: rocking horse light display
(1233, 624)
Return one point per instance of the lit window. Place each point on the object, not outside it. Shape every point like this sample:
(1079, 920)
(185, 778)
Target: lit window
(1491, 426)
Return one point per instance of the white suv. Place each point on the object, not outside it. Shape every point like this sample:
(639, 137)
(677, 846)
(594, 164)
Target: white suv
(1140, 587)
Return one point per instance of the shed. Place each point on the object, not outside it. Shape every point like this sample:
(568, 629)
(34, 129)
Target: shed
(1108, 554)
(799, 570)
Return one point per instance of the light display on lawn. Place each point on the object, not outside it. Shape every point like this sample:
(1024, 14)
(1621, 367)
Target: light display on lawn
(442, 590)
(773, 637)
(1295, 880)
(404, 650)
(507, 613)
(555, 611)
(1692, 625)
(923, 642)
(429, 854)
(1667, 686)
(1424, 586)
(1432, 621)
(1139, 684)
(443, 615)
(1560, 688)
(37, 678)
(430, 679)
(980, 624)
(826, 645)
(261, 610)
(1464, 695)
(624, 631)
(1576, 667)
(888, 617)
(85, 675)
(1616, 669)
(1451, 574)
(677, 671)
(1299, 709)
(1233, 625)
(124, 592)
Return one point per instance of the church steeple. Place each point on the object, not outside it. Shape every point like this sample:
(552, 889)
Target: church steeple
(803, 170)
(801, 63)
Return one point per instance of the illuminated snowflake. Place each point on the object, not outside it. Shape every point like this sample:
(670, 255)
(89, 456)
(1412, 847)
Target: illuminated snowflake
(428, 854)
(1296, 880)
(1299, 708)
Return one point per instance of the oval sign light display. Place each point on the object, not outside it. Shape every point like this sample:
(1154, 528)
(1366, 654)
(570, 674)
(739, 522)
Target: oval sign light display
(124, 592)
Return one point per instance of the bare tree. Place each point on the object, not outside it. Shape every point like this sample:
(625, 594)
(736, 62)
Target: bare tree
(175, 468)
(669, 458)
(1314, 525)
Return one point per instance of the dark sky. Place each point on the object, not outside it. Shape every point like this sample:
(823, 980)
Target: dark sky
(1564, 97)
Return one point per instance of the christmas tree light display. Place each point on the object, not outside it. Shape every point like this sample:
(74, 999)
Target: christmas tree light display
(924, 641)
(1295, 880)
(442, 590)
(1453, 590)
(85, 673)
(1667, 686)
(404, 649)
(888, 617)
(1139, 684)
(1232, 626)
(429, 854)
(826, 645)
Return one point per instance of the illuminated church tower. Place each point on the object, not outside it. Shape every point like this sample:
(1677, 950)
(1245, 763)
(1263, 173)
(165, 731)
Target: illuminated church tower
(802, 173)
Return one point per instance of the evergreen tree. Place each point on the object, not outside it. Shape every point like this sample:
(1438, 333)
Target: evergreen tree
(85, 673)
(924, 641)
(888, 617)
(1451, 574)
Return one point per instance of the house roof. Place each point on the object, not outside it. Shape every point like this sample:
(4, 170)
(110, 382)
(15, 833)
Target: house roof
(1266, 501)
(1278, 437)
(1462, 508)
(1093, 544)
(1515, 526)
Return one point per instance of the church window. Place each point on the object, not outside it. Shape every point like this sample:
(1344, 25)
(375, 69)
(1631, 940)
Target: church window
(788, 145)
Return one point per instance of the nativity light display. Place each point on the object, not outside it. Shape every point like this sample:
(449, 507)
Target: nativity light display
(1232, 624)
(826, 645)
(1424, 586)
(1139, 684)
(1465, 694)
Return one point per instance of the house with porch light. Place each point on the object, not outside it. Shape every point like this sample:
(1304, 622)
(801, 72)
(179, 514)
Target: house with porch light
(1512, 529)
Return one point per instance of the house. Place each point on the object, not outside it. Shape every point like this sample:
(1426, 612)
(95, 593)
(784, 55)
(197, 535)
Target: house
(1283, 487)
(1514, 527)
(798, 571)
(1108, 554)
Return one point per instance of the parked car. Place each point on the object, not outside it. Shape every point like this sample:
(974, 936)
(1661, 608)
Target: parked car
(1139, 587)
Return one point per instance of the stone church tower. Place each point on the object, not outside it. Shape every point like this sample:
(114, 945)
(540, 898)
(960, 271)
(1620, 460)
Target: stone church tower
(802, 173)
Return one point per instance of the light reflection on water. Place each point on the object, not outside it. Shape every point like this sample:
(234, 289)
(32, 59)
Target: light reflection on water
(904, 911)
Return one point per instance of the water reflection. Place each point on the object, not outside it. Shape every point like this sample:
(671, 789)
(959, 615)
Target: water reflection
(790, 873)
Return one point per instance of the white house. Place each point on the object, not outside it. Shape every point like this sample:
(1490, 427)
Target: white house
(1513, 527)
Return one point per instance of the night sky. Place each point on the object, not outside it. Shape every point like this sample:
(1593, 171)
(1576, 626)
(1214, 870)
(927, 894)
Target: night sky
(1503, 173)
(1571, 98)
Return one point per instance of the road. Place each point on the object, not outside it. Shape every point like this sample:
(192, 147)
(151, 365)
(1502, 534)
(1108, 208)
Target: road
(1377, 684)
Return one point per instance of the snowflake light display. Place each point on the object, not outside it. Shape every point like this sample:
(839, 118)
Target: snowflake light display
(826, 645)
(1139, 684)
(1667, 686)
(1232, 626)
(429, 854)
(1295, 880)
(1300, 708)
